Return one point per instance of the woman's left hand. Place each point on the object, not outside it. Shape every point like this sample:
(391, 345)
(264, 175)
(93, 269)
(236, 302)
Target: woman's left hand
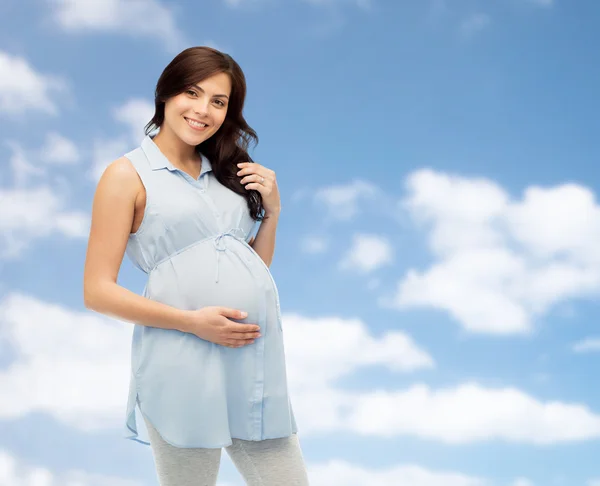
(257, 177)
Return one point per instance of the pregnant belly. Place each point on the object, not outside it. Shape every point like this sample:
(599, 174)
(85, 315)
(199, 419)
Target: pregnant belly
(187, 280)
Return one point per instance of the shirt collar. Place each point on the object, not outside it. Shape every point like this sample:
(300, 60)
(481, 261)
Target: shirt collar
(158, 160)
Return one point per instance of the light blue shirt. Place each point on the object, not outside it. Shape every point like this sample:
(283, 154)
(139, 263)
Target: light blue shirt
(192, 243)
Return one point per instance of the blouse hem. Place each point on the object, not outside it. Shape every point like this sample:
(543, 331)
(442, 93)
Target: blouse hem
(135, 436)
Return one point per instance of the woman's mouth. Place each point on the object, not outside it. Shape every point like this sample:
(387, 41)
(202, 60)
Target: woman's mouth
(196, 125)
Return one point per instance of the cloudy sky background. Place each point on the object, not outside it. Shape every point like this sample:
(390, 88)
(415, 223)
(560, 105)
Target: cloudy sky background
(437, 255)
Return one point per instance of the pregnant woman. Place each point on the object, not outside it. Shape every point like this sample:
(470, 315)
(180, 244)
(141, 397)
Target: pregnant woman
(208, 361)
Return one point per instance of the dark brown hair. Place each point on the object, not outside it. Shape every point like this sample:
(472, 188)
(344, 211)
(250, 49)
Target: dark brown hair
(229, 145)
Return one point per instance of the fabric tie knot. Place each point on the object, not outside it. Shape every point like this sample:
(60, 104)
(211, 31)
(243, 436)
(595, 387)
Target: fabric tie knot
(220, 244)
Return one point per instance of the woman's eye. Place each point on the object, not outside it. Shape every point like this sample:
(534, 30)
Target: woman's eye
(220, 102)
(191, 92)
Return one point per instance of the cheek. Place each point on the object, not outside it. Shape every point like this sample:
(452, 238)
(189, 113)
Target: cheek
(172, 110)
(177, 105)
(220, 119)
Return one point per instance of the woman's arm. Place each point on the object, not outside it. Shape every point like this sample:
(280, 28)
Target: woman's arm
(264, 244)
(112, 218)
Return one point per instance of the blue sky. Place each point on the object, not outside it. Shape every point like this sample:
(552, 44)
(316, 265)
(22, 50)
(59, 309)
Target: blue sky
(436, 258)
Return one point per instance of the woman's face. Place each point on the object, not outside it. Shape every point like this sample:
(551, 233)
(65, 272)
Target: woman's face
(197, 113)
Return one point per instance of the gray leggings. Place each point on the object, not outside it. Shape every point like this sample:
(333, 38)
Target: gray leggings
(271, 462)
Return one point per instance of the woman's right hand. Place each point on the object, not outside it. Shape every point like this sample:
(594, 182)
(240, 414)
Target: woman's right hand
(212, 324)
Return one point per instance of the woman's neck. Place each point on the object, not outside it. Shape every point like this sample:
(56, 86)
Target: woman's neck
(179, 153)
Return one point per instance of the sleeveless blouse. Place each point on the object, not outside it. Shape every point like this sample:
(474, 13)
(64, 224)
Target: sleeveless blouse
(193, 245)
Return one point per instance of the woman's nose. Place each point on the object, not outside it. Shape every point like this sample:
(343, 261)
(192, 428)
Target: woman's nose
(201, 108)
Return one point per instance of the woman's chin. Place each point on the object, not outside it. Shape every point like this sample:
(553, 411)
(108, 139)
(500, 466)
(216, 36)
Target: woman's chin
(191, 138)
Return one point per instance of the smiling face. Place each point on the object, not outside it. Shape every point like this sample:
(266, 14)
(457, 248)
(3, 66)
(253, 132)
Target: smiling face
(197, 113)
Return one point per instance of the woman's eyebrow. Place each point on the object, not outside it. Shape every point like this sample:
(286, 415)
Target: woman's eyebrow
(217, 95)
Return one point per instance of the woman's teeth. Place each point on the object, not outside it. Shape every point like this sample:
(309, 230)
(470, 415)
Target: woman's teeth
(195, 124)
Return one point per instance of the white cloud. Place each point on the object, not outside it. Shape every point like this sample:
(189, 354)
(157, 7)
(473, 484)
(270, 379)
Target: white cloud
(368, 253)
(587, 345)
(17, 472)
(135, 113)
(470, 413)
(475, 23)
(35, 207)
(143, 18)
(22, 89)
(30, 214)
(346, 474)
(59, 150)
(88, 353)
(105, 151)
(500, 263)
(593, 482)
(23, 171)
(14, 472)
(74, 367)
(342, 201)
(314, 361)
(461, 414)
(557, 222)
(314, 244)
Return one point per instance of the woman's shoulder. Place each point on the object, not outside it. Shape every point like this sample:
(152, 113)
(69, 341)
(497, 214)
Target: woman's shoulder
(121, 168)
(121, 174)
